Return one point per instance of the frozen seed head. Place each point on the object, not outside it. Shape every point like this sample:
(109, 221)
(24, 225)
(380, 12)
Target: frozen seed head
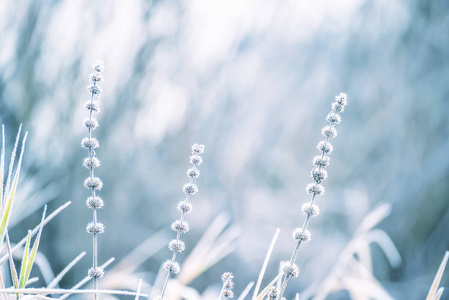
(290, 269)
(197, 149)
(326, 147)
(97, 272)
(93, 183)
(94, 89)
(193, 172)
(196, 160)
(333, 118)
(318, 175)
(171, 266)
(94, 202)
(310, 209)
(329, 132)
(92, 105)
(96, 77)
(95, 228)
(342, 99)
(228, 293)
(180, 226)
(227, 276)
(190, 188)
(272, 293)
(91, 162)
(301, 235)
(176, 246)
(321, 161)
(90, 143)
(98, 66)
(90, 123)
(185, 207)
(315, 188)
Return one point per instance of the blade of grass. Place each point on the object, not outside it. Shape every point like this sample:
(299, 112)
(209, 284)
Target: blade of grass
(68, 292)
(139, 287)
(246, 291)
(2, 286)
(36, 229)
(23, 267)
(437, 279)
(7, 209)
(439, 294)
(64, 271)
(11, 163)
(30, 261)
(11, 263)
(265, 290)
(2, 166)
(265, 263)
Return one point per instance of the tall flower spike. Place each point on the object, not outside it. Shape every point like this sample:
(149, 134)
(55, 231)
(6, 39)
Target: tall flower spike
(91, 162)
(318, 174)
(181, 226)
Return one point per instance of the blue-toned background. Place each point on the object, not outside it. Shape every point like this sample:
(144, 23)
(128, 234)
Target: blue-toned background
(253, 81)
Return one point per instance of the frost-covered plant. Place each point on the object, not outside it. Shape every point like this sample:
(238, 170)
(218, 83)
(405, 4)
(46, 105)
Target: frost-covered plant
(91, 163)
(181, 226)
(318, 174)
(228, 285)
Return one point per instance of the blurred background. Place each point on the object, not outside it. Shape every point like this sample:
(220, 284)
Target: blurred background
(253, 81)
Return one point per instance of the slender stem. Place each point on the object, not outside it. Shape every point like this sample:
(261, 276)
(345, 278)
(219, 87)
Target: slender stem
(178, 238)
(304, 228)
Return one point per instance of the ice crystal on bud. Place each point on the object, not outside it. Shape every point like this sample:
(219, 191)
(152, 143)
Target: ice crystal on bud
(180, 226)
(228, 293)
(95, 228)
(310, 209)
(90, 123)
(94, 202)
(97, 272)
(93, 183)
(96, 77)
(197, 149)
(193, 172)
(321, 161)
(196, 160)
(342, 99)
(190, 188)
(92, 105)
(290, 269)
(91, 162)
(301, 234)
(318, 175)
(315, 188)
(98, 66)
(333, 118)
(94, 89)
(90, 143)
(272, 293)
(337, 107)
(329, 132)
(176, 246)
(185, 207)
(326, 147)
(171, 266)
(227, 276)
